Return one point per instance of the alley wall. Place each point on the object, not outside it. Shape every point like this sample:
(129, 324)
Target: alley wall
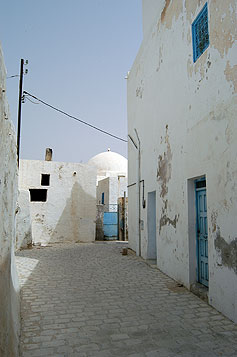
(9, 288)
(68, 212)
(185, 116)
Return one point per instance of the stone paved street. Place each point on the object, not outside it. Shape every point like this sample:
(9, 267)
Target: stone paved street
(90, 300)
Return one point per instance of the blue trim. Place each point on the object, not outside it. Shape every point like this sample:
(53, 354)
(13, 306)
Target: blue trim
(200, 33)
(197, 243)
(197, 191)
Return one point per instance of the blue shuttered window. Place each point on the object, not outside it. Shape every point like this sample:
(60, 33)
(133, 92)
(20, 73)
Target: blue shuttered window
(200, 33)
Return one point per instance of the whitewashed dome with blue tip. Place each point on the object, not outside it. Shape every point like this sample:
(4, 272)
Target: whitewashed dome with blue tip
(109, 161)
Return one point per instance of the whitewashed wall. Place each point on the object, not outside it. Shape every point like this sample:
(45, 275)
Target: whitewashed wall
(9, 287)
(23, 221)
(113, 188)
(185, 115)
(70, 211)
(103, 187)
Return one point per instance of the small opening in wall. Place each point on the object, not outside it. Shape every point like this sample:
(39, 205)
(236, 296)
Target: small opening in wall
(38, 195)
(201, 184)
(45, 179)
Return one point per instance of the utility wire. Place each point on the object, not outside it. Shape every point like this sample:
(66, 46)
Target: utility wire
(24, 97)
(75, 118)
(15, 75)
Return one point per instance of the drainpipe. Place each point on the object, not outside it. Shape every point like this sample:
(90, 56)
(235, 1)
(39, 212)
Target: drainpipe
(138, 188)
(139, 191)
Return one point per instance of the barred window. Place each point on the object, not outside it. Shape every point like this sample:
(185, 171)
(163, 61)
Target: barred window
(200, 33)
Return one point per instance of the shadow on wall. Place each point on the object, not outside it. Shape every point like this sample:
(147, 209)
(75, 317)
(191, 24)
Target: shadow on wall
(23, 221)
(77, 221)
(10, 307)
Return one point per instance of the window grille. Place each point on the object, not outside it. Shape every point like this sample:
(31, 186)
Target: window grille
(200, 33)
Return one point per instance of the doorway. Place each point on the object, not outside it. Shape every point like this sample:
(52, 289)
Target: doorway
(202, 232)
(151, 226)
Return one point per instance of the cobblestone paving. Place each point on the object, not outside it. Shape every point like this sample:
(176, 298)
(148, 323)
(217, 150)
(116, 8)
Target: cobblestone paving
(89, 300)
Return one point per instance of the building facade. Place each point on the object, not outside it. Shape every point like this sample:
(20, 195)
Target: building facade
(60, 199)
(182, 106)
(9, 286)
(111, 185)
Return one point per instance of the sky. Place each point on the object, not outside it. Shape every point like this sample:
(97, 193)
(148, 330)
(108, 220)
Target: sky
(79, 52)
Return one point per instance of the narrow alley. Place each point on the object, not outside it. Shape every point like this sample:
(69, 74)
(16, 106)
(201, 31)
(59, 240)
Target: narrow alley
(90, 300)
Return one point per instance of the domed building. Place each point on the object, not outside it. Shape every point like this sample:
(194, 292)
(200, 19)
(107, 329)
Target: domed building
(111, 186)
(109, 164)
(111, 176)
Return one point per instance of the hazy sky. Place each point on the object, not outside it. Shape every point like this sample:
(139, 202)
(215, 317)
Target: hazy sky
(79, 52)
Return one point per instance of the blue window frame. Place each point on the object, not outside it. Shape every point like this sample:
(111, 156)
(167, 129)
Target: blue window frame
(103, 198)
(200, 33)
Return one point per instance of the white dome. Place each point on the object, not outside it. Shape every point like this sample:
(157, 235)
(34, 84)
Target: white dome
(109, 161)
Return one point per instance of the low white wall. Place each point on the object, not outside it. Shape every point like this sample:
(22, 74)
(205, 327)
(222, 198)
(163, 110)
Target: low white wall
(69, 213)
(9, 287)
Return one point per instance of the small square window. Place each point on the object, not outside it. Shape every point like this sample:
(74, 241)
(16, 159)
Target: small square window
(38, 195)
(200, 33)
(45, 179)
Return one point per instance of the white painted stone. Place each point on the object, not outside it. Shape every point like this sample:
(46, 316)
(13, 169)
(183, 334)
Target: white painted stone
(185, 115)
(113, 188)
(23, 220)
(111, 176)
(109, 164)
(69, 213)
(9, 287)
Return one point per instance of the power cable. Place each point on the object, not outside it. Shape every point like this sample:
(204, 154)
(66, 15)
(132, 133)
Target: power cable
(75, 118)
(24, 97)
(15, 75)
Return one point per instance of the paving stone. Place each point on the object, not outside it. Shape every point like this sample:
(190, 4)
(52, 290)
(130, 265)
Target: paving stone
(87, 300)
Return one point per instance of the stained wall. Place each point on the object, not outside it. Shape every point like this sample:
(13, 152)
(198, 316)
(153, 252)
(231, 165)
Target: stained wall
(9, 287)
(69, 212)
(185, 115)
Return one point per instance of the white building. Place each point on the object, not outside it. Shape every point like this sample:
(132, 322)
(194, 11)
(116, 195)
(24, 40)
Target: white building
(182, 101)
(111, 177)
(111, 184)
(9, 286)
(62, 202)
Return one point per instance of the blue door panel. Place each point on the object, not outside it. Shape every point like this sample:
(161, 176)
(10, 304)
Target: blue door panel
(110, 224)
(110, 218)
(202, 237)
(110, 230)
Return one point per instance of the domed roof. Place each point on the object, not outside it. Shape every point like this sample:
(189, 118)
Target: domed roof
(109, 161)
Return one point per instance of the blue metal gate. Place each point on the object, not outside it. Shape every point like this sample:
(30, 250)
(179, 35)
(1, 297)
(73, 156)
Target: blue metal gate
(110, 222)
(202, 232)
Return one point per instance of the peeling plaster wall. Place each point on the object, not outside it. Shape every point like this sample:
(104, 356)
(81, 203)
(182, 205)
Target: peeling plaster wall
(69, 214)
(150, 11)
(185, 115)
(9, 287)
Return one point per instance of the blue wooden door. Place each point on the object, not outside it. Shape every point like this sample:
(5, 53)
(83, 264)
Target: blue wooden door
(202, 236)
(110, 224)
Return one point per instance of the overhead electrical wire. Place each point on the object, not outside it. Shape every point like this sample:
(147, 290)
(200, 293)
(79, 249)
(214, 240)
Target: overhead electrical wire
(72, 117)
(15, 75)
(30, 100)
